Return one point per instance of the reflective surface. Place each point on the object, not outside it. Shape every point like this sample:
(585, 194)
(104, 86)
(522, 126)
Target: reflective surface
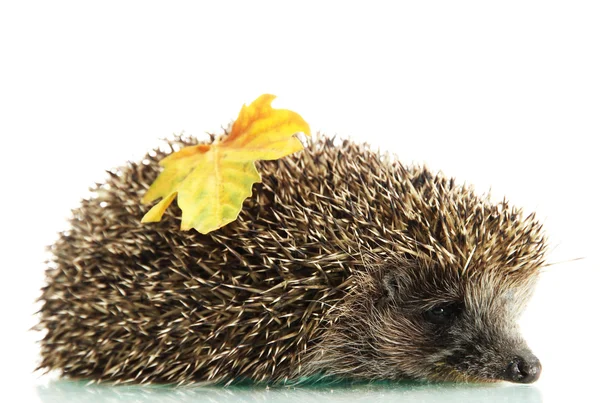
(68, 391)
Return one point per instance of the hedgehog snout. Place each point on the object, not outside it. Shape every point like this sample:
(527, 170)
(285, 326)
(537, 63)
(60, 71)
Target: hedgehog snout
(487, 363)
(523, 369)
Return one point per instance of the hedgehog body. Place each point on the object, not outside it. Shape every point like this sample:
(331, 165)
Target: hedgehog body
(343, 263)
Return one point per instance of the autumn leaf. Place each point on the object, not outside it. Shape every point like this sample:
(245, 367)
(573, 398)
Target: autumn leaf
(212, 181)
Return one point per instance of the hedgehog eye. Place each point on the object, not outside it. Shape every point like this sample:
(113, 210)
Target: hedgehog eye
(442, 314)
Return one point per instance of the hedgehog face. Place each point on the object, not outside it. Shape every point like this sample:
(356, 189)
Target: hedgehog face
(447, 325)
(411, 320)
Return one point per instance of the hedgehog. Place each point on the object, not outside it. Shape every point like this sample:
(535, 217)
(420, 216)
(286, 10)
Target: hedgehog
(343, 264)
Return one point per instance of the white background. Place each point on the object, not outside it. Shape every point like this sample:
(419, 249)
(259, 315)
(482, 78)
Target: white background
(503, 95)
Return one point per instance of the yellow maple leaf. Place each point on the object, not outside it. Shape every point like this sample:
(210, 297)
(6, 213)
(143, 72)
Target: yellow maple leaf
(211, 182)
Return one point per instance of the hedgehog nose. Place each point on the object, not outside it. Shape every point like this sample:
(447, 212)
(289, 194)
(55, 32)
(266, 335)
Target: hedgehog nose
(524, 370)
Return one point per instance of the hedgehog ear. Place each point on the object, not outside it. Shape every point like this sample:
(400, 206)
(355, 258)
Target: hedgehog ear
(389, 285)
(393, 284)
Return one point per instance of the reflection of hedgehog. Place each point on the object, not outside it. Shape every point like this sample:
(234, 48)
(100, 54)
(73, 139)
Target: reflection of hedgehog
(343, 263)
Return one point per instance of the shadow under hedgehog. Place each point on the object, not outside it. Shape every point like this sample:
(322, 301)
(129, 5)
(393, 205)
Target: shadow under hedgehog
(343, 264)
